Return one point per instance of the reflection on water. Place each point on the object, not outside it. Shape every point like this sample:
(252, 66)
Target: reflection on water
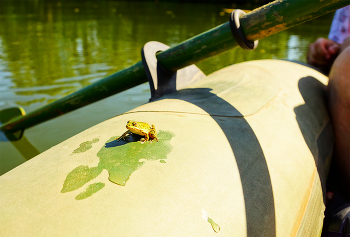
(49, 49)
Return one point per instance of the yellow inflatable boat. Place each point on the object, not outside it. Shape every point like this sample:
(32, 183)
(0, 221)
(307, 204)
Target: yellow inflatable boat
(242, 152)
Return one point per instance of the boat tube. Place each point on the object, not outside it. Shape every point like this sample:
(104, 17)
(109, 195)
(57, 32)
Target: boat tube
(242, 152)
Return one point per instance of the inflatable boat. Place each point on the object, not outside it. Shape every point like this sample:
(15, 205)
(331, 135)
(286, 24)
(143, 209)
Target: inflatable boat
(241, 152)
(244, 151)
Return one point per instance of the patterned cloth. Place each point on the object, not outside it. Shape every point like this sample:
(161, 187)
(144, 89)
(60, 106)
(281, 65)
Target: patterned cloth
(340, 28)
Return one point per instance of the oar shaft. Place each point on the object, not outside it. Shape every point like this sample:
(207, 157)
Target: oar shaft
(258, 24)
(283, 14)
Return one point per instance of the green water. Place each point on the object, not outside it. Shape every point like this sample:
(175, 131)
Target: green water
(49, 49)
(85, 146)
(215, 226)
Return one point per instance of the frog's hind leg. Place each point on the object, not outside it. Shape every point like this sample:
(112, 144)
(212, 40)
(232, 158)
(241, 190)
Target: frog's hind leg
(153, 133)
(124, 135)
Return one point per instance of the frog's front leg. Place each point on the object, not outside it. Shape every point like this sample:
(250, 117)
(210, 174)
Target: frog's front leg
(144, 139)
(124, 135)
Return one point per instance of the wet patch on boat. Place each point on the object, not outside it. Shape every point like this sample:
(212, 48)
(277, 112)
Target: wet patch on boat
(205, 216)
(80, 176)
(93, 188)
(120, 159)
(215, 226)
(85, 146)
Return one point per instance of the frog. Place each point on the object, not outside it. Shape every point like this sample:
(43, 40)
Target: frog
(140, 128)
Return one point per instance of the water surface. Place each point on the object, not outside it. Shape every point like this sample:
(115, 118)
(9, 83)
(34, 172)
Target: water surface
(49, 49)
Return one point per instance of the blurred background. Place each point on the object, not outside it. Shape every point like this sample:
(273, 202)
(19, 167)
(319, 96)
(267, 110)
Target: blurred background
(49, 49)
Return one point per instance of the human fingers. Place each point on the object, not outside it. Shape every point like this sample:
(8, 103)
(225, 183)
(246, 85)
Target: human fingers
(332, 48)
(321, 51)
(317, 53)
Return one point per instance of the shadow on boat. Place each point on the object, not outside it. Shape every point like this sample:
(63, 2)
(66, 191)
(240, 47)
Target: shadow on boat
(130, 138)
(313, 114)
(251, 162)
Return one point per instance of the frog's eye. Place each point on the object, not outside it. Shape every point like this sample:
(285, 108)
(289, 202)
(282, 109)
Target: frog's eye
(134, 123)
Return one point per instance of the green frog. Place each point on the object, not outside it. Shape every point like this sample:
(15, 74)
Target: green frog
(140, 128)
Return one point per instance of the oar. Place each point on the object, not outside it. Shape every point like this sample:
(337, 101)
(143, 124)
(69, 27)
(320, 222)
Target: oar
(258, 24)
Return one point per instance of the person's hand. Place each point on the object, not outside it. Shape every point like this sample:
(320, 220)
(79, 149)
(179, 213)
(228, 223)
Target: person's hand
(322, 53)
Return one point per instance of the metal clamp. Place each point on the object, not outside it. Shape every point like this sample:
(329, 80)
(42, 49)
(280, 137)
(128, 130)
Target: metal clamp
(238, 33)
(162, 81)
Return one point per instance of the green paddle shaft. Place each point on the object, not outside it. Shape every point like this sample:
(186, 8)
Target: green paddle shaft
(258, 24)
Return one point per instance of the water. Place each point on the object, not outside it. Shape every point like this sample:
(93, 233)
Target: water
(49, 49)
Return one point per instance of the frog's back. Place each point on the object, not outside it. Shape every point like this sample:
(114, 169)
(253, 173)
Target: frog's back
(243, 152)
